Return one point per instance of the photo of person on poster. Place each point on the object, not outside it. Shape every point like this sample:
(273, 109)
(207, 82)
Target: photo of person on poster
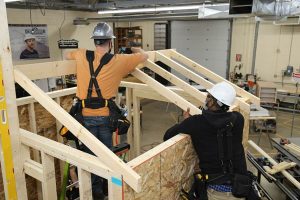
(29, 52)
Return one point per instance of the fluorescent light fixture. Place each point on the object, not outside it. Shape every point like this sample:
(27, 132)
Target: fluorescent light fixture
(7, 1)
(153, 9)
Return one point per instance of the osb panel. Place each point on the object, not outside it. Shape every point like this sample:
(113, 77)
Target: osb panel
(66, 102)
(150, 173)
(177, 168)
(166, 173)
(24, 117)
(246, 128)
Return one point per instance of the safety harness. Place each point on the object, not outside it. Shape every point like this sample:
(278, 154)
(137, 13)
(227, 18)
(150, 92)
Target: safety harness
(201, 180)
(89, 102)
(95, 102)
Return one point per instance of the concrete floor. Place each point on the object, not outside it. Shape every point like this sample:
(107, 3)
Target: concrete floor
(157, 117)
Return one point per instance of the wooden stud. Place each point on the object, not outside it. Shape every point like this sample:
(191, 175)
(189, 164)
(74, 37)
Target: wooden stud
(59, 138)
(209, 74)
(48, 69)
(54, 94)
(184, 71)
(12, 112)
(170, 95)
(36, 154)
(177, 81)
(85, 185)
(273, 162)
(136, 124)
(129, 117)
(33, 169)
(97, 147)
(48, 182)
(63, 152)
(115, 188)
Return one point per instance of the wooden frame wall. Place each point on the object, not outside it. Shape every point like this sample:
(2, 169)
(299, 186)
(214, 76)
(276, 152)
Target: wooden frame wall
(23, 74)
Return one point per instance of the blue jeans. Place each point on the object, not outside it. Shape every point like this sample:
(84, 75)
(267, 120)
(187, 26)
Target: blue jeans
(99, 127)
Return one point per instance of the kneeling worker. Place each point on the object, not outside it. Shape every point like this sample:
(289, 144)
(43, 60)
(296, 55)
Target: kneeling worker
(207, 135)
(103, 86)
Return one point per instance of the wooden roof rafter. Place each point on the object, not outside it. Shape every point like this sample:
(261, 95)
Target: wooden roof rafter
(25, 73)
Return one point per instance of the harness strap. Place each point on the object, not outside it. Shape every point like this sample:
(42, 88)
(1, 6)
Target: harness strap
(93, 80)
(227, 131)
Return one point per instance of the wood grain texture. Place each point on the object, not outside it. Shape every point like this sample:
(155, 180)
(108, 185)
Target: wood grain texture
(165, 172)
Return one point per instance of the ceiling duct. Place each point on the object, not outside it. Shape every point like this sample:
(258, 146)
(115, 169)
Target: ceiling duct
(288, 21)
(266, 10)
(81, 22)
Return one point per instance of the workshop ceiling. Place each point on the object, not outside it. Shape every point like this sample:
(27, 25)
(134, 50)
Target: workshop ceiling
(96, 5)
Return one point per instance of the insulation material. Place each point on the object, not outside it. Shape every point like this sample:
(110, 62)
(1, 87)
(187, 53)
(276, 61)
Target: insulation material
(45, 122)
(166, 172)
(24, 117)
(66, 102)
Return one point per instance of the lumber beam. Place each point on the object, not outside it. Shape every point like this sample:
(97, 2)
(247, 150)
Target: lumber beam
(48, 69)
(279, 167)
(129, 117)
(85, 185)
(115, 188)
(184, 71)
(167, 93)
(157, 150)
(63, 152)
(56, 68)
(48, 179)
(54, 94)
(211, 75)
(36, 154)
(273, 162)
(14, 178)
(97, 147)
(176, 81)
(34, 169)
(196, 78)
(293, 148)
(136, 124)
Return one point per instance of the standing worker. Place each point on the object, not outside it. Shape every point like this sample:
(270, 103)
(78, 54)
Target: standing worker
(29, 52)
(104, 86)
(207, 135)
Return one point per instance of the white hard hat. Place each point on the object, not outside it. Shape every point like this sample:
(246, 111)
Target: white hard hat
(223, 92)
(28, 36)
(103, 31)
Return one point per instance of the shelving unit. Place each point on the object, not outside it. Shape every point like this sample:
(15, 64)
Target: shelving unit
(128, 37)
(267, 92)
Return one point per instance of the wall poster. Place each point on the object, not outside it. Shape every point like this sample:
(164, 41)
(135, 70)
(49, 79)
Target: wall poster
(29, 41)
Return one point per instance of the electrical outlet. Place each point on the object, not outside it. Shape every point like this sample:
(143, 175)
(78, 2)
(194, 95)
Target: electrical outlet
(275, 75)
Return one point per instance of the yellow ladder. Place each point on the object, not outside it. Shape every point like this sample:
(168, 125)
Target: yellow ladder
(9, 181)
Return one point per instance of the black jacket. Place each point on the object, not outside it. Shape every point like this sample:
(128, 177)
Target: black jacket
(203, 130)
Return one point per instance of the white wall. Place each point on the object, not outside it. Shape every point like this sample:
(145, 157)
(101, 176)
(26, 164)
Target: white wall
(54, 19)
(242, 42)
(277, 47)
(273, 48)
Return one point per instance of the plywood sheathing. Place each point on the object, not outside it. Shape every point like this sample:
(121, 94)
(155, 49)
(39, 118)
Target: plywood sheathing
(165, 171)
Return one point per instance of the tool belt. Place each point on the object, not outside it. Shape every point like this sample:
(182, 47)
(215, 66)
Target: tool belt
(94, 103)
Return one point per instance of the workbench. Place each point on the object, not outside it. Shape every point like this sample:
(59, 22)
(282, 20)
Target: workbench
(260, 118)
(278, 179)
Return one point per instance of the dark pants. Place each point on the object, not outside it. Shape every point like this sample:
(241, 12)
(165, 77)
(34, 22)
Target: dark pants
(99, 127)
